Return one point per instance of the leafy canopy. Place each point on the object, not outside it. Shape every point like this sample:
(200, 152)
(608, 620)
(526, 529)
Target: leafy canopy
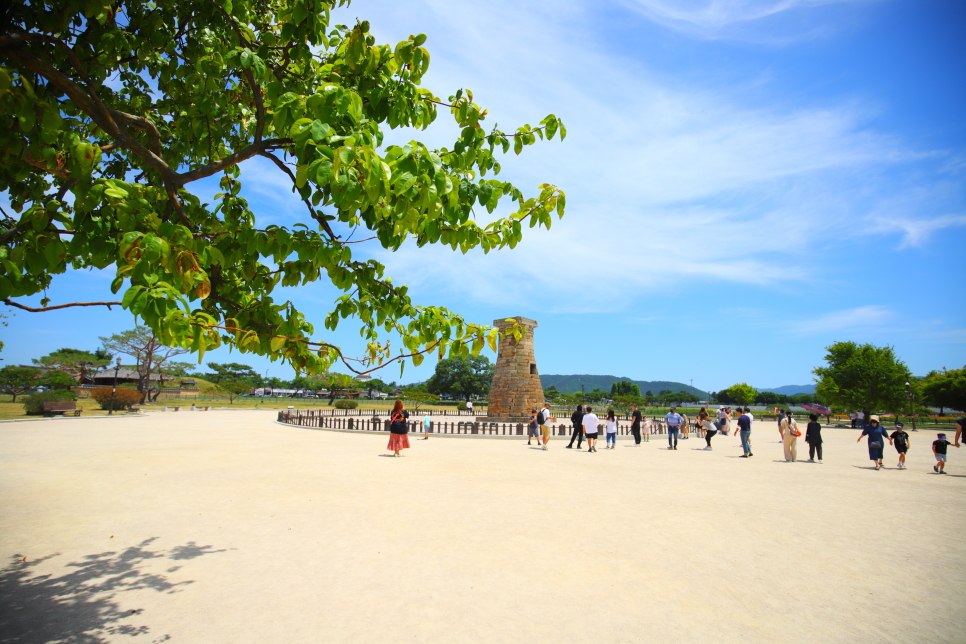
(862, 377)
(946, 389)
(111, 111)
(18, 380)
(741, 394)
(77, 363)
(463, 377)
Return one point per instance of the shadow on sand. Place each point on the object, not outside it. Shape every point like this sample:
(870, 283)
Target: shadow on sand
(80, 605)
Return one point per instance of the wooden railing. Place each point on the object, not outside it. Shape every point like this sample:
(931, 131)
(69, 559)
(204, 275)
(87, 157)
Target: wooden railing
(318, 418)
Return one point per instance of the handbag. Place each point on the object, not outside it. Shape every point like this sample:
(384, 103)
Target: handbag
(795, 432)
(875, 445)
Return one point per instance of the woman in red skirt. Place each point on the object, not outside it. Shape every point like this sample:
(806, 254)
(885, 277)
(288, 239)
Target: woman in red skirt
(398, 429)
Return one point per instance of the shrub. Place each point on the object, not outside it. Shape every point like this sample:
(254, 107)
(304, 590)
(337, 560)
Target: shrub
(346, 404)
(123, 398)
(34, 405)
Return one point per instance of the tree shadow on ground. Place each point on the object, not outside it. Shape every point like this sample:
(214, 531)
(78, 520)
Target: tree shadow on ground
(80, 606)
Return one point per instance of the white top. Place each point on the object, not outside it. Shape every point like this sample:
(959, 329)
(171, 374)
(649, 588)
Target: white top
(722, 413)
(750, 415)
(611, 426)
(708, 425)
(647, 423)
(590, 423)
(545, 414)
(469, 405)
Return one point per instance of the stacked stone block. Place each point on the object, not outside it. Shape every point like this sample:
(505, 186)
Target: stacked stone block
(516, 388)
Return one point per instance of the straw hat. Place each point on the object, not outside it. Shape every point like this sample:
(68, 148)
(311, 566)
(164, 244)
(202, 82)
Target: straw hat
(875, 418)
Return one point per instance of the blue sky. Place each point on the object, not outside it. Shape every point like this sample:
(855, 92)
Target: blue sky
(748, 181)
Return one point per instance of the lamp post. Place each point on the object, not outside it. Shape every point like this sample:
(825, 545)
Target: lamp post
(110, 410)
(909, 396)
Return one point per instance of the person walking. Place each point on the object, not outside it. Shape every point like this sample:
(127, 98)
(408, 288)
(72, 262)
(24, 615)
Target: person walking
(427, 423)
(790, 434)
(900, 439)
(636, 424)
(744, 430)
(543, 419)
(398, 428)
(854, 417)
(723, 417)
(533, 430)
(589, 423)
(939, 451)
(685, 427)
(577, 419)
(673, 420)
(813, 436)
(611, 438)
(877, 438)
(709, 428)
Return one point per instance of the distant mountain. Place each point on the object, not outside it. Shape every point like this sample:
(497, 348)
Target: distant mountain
(571, 384)
(791, 390)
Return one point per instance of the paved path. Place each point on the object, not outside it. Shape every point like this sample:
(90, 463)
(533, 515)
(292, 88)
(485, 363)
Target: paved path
(226, 527)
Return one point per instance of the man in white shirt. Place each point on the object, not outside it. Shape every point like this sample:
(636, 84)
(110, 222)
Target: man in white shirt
(590, 423)
(673, 420)
(469, 406)
(543, 422)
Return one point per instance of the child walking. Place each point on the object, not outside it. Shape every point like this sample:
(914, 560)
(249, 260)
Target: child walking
(901, 440)
(939, 451)
(611, 438)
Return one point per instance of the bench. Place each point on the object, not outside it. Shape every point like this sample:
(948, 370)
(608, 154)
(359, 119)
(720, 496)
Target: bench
(52, 408)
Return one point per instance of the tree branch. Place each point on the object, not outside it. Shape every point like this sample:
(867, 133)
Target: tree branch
(142, 123)
(249, 76)
(230, 160)
(88, 103)
(308, 204)
(10, 302)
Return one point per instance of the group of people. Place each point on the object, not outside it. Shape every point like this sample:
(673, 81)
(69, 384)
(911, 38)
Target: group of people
(586, 425)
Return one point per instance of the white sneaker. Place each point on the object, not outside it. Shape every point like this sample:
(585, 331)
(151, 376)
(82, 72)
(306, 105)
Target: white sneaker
(707, 448)
(819, 461)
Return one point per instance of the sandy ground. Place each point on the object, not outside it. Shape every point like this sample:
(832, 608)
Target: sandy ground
(226, 527)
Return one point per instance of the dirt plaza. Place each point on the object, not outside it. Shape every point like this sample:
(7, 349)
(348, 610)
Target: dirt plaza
(225, 526)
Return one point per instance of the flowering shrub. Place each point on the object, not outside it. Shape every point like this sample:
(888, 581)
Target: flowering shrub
(123, 398)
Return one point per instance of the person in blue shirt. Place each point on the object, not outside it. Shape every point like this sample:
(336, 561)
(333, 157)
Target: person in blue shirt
(878, 436)
(674, 420)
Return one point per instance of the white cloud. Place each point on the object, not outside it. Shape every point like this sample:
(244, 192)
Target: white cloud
(859, 318)
(731, 18)
(916, 232)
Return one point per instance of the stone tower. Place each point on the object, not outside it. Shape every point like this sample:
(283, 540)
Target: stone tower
(516, 388)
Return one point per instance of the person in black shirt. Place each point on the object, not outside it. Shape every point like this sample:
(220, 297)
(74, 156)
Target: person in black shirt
(939, 450)
(398, 428)
(959, 432)
(901, 441)
(636, 425)
(813, 436)
(577, 418)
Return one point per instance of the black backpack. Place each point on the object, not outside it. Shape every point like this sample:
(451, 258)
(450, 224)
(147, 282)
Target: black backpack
(541, 419)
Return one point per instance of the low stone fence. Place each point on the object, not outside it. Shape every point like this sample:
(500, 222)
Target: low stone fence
(318, 418)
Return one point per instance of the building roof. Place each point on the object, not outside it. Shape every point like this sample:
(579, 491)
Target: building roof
(123, 373)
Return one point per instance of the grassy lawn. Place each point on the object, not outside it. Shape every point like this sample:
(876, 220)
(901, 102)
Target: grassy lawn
(9, 410)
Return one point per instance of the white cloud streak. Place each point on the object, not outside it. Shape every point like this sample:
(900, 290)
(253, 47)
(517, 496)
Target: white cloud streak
(855, 319)
(738, 19)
